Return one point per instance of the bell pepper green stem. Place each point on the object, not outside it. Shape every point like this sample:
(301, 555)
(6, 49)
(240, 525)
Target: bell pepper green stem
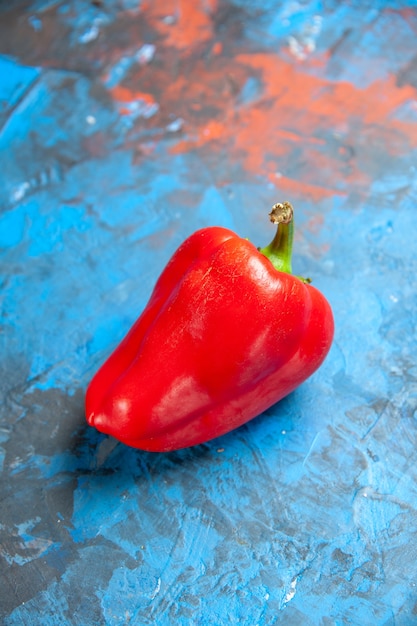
(279, 251)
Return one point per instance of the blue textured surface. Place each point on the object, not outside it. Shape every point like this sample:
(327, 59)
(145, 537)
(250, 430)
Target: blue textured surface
(125, 126)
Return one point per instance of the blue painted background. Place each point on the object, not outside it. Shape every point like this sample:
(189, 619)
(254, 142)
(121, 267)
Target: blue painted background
(125, 126)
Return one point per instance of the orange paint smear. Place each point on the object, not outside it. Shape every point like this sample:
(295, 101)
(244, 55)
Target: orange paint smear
(183, 23)
(123, 94)
(212, 131)
(298, 188)
(217, 48)
(304, 133)
(297, 111)
(308, 103)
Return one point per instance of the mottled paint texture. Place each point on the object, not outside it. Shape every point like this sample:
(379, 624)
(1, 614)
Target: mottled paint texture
(124, 126)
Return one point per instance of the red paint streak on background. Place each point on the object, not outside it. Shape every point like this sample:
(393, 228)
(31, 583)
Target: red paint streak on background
(182, 23)
(295, 187)
(304, 133)
(124, 95)
(297, 111)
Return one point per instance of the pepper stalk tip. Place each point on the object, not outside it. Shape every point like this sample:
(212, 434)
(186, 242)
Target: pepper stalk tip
(281, 213)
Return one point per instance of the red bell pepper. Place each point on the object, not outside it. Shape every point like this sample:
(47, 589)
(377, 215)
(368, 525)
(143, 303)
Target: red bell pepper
(228, 331)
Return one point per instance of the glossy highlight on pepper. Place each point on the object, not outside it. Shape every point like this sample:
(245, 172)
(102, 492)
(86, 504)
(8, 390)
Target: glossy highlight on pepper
(228, 332)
